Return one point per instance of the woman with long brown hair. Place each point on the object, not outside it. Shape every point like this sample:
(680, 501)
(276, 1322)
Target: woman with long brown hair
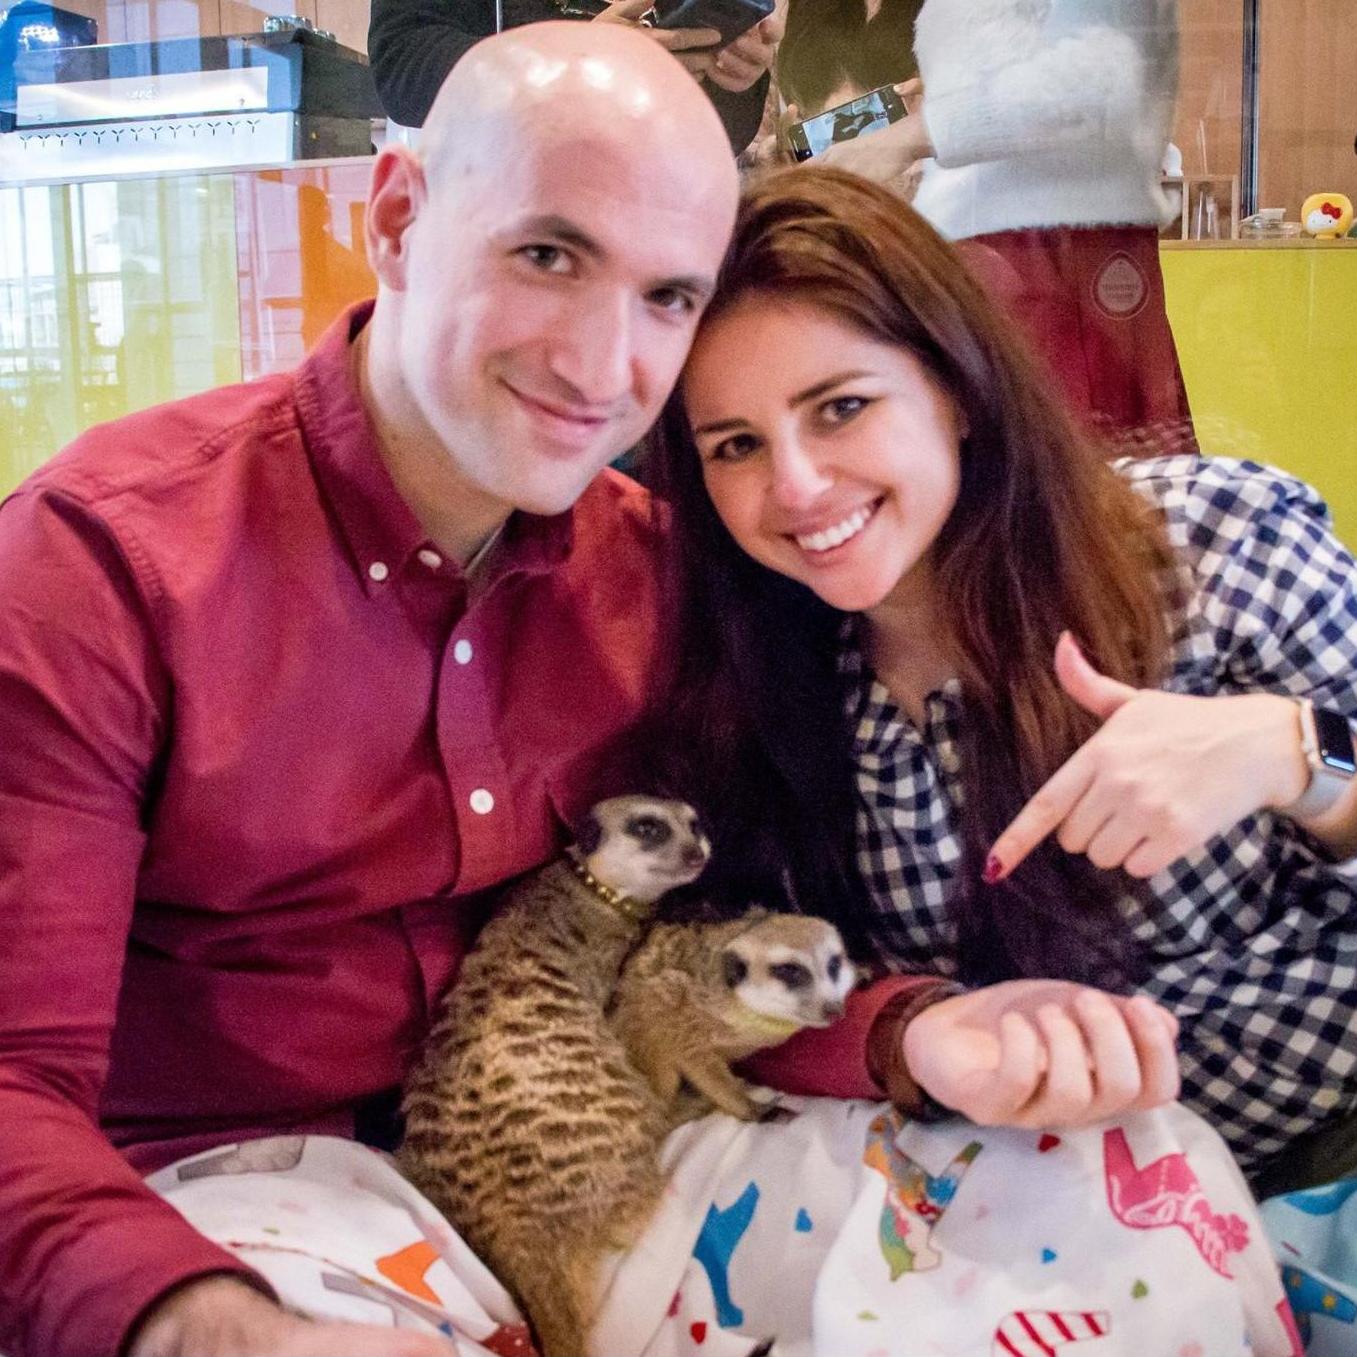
(999, 709)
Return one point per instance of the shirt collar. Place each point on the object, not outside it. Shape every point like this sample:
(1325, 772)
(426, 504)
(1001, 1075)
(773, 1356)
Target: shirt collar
(378, 527)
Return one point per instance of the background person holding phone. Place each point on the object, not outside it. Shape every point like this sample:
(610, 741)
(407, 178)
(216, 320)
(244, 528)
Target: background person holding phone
(838, 56)
(835, 50)
(413, 44)
(1042, 129)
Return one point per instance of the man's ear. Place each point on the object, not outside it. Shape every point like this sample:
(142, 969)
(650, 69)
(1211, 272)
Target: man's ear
(397, 196)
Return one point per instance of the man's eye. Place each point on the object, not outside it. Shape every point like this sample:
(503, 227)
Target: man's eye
(548, 258)
(672, 300)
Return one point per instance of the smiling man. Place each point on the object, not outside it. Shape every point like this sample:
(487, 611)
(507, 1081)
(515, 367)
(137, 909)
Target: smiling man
(290, 673)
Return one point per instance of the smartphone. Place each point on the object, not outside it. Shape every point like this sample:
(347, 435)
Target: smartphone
(876, 109)
(729, 18)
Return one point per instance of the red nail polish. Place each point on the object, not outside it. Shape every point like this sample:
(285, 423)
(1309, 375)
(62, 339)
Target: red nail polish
(994, 869)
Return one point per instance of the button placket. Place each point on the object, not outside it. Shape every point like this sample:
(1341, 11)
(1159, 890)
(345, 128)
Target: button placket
(477, 779)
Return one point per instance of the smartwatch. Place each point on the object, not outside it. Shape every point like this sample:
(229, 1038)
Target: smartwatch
(1327, 743)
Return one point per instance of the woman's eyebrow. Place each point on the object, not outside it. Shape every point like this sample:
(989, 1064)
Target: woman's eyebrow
(828, 384)
(809, 394)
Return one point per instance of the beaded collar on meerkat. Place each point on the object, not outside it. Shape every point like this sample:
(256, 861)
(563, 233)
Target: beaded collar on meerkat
(631, 910)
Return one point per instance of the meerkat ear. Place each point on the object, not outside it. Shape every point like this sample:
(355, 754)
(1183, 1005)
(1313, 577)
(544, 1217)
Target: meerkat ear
(588, 834)
(733, 969)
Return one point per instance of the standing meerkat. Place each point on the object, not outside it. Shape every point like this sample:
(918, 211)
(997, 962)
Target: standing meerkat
(525, 1123)
(695, 997)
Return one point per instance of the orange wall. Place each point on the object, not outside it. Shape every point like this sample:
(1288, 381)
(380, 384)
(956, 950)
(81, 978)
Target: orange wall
(1210, 86)
(1308, 98)
(1307, 54)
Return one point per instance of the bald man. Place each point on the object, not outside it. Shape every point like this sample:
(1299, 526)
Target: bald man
(294, 674)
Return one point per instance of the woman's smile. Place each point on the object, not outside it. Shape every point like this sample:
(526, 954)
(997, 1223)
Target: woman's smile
(822, 541)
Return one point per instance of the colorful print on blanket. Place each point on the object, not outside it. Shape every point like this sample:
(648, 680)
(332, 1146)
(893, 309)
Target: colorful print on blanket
(852, 1231)
(1314, 1234)
(843, 1231)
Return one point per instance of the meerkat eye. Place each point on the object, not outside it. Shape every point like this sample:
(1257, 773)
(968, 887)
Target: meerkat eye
(834, 967)
(733, 969)
(649, 830)
(792, 974)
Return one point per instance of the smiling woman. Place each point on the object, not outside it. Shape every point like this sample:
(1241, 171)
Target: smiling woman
(890, 537)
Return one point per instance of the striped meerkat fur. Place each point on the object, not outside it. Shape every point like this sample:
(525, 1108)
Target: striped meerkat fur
(696, 997)
(525, 1123)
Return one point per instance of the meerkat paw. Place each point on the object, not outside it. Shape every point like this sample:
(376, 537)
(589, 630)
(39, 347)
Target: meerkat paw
(689, 1105)
(768, 1105)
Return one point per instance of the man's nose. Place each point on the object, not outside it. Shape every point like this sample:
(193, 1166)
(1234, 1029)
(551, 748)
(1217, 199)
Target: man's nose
(593, 348)
(797, 478)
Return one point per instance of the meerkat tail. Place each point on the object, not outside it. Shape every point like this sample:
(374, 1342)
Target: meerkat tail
(560, 1293)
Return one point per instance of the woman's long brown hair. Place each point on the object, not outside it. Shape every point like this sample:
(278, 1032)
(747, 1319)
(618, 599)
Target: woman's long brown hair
(1044, 538)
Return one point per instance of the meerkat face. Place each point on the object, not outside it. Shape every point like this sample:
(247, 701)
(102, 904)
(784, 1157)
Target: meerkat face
(643, 846)
(791, 968)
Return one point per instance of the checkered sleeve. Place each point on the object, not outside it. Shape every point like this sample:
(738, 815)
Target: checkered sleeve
(1255, 936)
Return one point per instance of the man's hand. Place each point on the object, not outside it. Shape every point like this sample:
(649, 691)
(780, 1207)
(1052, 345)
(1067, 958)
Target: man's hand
(1165, 773)
(1041, 1053)
(676, 41)
(224, 1317)
(739, 65)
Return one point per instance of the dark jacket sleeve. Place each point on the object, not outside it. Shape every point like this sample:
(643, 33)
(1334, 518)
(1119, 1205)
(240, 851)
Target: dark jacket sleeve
(413, 44)
(741, 113)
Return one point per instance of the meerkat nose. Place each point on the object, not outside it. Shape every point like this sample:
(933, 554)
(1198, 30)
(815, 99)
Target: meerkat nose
(831, 1010)
(693, 856)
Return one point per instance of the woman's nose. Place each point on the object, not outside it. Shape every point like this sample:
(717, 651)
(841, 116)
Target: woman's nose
(797, 478)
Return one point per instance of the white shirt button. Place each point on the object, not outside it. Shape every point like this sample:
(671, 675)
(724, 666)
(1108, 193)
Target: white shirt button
(482, 802)
(461, 652)
(378, 571)
(430, 558)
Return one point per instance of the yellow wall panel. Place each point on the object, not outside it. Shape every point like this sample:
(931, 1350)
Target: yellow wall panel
(114, 296)
(1267, 337)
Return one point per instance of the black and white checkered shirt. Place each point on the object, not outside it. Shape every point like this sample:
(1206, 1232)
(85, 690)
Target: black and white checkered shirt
(1254, 944)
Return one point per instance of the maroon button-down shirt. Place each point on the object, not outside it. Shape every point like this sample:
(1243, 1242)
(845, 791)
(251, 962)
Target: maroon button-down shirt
(259, 752)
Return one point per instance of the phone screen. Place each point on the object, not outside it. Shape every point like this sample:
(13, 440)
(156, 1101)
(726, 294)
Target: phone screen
(864, 114)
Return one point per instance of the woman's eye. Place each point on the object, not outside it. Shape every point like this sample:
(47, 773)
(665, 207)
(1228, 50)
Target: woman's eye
(547, 258)
(734, 449)
(843, 408)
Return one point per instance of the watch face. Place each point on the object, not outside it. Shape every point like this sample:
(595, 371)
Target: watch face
(1333, 735)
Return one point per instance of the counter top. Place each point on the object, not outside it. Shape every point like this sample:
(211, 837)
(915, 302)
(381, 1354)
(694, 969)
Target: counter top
(1286, 243)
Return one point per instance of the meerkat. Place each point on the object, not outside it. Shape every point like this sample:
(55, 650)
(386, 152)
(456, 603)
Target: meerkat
(525, 1123)
(695, 997)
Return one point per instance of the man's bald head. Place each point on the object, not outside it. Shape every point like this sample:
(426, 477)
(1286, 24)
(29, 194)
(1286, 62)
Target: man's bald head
(570, 85)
